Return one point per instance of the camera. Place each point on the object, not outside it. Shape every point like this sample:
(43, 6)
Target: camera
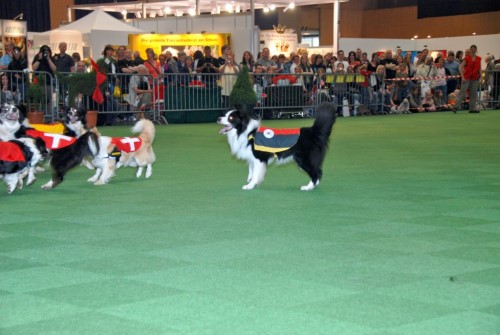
(45, 55)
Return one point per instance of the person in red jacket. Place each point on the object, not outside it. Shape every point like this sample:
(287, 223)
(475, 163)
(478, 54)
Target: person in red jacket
(470, 70)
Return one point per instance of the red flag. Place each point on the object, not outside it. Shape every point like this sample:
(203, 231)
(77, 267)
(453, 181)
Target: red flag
(99, 79)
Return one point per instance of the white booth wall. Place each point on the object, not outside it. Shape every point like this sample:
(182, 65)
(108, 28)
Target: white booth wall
(239, 25)
(486, 44)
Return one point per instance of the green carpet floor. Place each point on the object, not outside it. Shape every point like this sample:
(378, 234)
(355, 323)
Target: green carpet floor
(401, 237)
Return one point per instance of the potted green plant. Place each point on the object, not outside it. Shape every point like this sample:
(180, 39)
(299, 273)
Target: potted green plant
(242, 96)
(36, 107)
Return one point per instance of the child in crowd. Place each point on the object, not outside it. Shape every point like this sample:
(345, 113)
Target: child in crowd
(428, 102)
(441, 101)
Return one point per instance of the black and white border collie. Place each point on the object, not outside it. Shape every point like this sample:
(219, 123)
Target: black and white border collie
(18, 159)
(308, 152)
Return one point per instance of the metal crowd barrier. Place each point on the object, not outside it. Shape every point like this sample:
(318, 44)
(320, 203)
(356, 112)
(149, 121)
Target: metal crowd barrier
(489, 97)
(36, 90)
(278, 95)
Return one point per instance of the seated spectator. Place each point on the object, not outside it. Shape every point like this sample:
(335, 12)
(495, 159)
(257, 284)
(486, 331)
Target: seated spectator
(19, 79)
(140, 92)
(415, 100)
(9, 92)
(441, 101)
(428, 102)
(307, 71)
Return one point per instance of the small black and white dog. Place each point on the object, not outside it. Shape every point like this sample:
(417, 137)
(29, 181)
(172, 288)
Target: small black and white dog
(18, 158)
(252, 143)
(11, 118)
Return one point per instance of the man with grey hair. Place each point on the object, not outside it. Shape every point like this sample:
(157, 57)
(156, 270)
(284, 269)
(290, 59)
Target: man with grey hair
(64, 62)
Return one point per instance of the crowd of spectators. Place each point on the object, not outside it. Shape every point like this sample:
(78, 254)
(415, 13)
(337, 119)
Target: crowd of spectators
(387, 79)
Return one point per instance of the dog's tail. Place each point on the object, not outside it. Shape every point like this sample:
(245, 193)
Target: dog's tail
(145, 128)
(325, 118)
(90, 143)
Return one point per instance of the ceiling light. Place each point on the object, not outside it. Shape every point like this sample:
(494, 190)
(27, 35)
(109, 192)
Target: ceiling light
(179, 12)
(138, 15)
(291, 5)
(192, 11)
(228, 7)
(124, 13)
(272, 6)
(160, 13)
(152, 14)
(167, 10)
(266, 9)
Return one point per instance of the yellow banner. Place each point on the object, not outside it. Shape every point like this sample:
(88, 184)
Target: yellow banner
(174, 43)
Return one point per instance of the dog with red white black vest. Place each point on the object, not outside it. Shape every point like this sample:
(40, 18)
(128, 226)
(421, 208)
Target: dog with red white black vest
(261, 146)
(106, 154)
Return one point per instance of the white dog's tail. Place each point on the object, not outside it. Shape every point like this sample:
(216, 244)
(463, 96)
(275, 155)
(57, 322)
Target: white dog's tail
(146, 128)
(92, 142)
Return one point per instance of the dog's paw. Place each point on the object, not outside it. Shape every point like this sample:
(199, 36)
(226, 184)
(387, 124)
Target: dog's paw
(11, 188)
(100, 182)
(309, 186)
(39, 169)
(47, 186)
(20, 184)
(30, 181)
(248, 187)
(92, 180)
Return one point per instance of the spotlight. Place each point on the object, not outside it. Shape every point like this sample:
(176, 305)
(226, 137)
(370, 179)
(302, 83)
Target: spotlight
(272, 6)
(124, 13)
(192, 11)
(19, 17)
(167, 10)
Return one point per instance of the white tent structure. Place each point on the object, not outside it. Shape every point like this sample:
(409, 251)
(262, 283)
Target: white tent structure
(98, 29)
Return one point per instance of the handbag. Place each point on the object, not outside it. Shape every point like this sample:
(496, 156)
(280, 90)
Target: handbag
(117, 92)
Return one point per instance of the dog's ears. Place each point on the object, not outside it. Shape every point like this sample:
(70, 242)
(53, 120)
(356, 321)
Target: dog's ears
(22, 110)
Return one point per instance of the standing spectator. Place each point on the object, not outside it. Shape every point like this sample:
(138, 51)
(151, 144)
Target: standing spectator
(265, 61)
(247, 61)
(229, 71)
(390, 65)
(341, 59)
(76, 57)
(187, 70)
(64, 62)
(353, 61)
(424, 72)
(453, 67)
(42, 62)
(137, 58)
(208, 65)
(409, 64)
(307, 71)
(225, 50)
(318, 64)
(470, 70)
(359, 54)
(364, 58)
(7, 55)
(440, 82)
(374, 63)
(126, 64)
(152, 65)
(459, 56)
(295, 62)
(280, 64)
